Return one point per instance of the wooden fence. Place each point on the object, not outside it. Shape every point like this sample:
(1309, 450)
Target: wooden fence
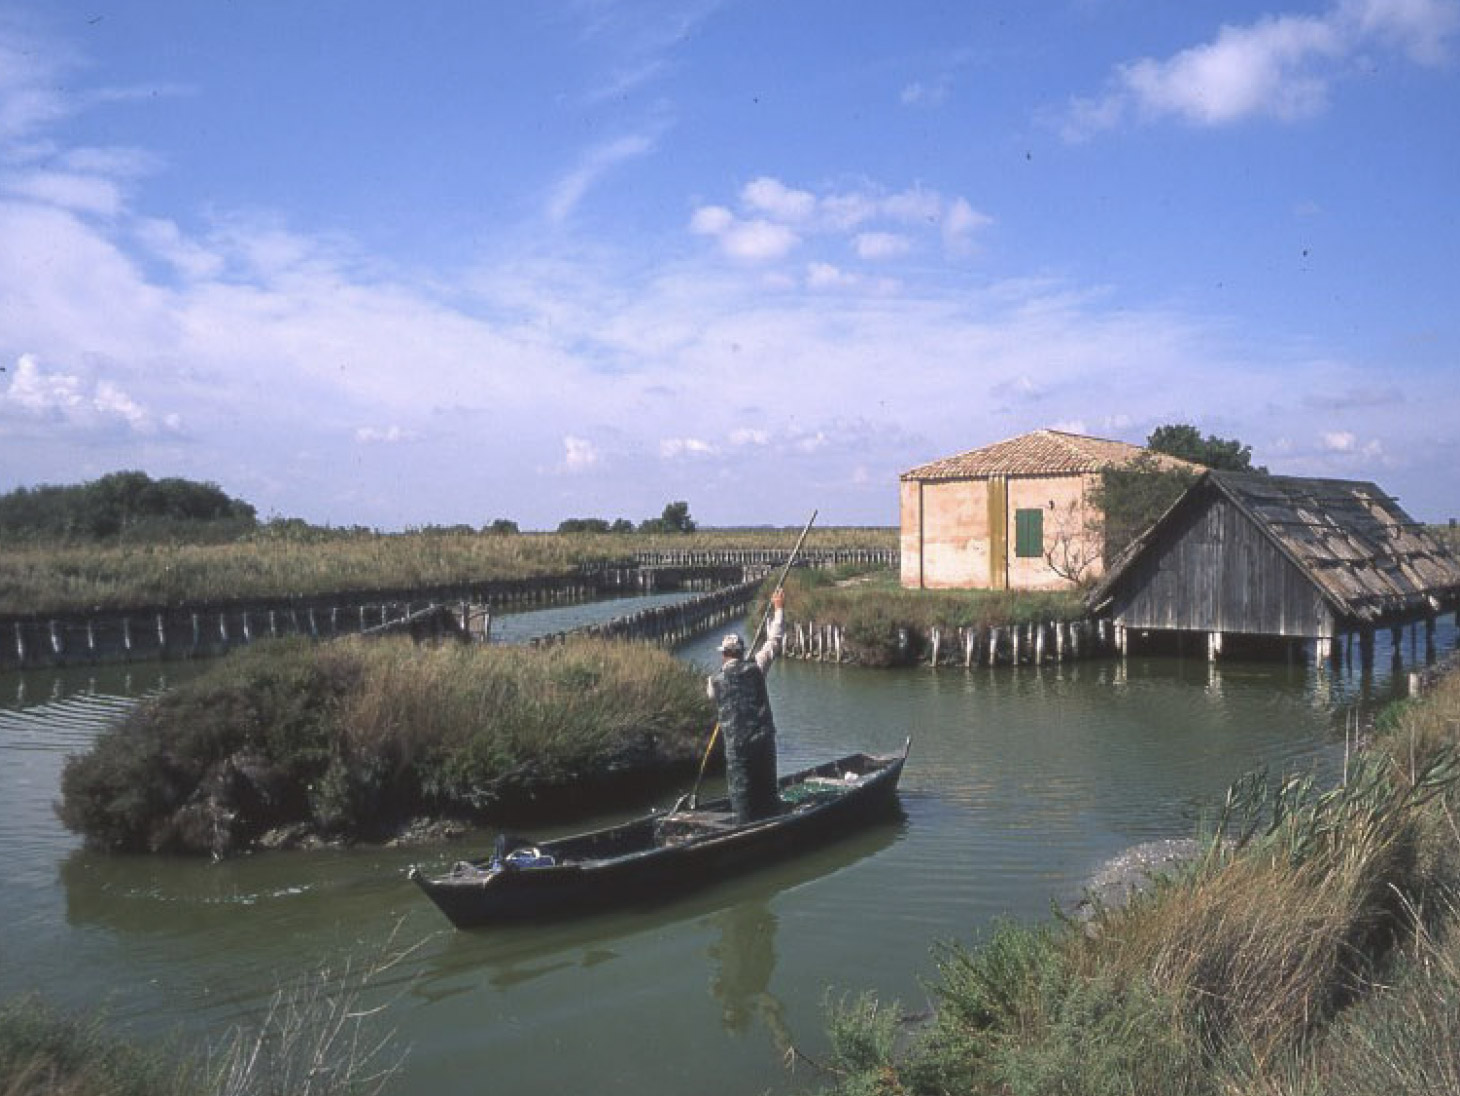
(1000, 645)
(670, 624)
(206, 630)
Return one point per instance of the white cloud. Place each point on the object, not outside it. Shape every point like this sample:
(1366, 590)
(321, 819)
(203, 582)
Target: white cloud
(68, 190)
(72, 404)
(775, 219)
(711, 220)
(778, 201)
(1421, 28)
(29, 96)
(881, 245)
(920, 94)
(674, 448)
(827, 276)
(961, 221)
(1340, 441)
(749, 436)
(388, 435)
(579, 454)
(166, 241)
(758, 241)
(1280, 67)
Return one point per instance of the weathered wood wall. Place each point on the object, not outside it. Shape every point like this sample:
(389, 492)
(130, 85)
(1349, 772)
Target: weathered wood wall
(1214, 571)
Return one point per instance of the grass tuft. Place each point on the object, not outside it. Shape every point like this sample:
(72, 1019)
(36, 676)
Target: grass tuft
(354, 738)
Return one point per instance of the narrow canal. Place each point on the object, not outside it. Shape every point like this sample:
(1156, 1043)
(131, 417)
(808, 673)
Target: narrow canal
(1021, 783)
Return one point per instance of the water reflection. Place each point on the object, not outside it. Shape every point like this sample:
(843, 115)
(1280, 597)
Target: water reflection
(744, 959)
(512, 955)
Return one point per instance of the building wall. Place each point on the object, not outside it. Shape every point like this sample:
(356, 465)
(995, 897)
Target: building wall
(962, 534)
(1062, 499)
(945, 541)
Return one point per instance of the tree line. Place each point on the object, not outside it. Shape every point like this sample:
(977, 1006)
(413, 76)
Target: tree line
(132, 507)
(124, 506)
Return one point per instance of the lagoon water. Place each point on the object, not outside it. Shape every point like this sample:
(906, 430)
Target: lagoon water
(1022, 782)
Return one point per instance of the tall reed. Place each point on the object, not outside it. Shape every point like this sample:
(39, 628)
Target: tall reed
(1313, 949)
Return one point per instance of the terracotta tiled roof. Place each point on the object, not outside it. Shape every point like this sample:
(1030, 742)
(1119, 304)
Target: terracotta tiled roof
(1040, 453)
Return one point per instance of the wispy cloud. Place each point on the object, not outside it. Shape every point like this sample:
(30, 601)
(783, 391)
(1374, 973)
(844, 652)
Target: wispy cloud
(597, 162)
(384, 435)
(677, 448)
(1281, 67)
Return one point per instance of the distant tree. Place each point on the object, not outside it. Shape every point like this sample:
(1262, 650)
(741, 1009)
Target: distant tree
(622, 525)
(126, 504)
(1185, 441)
(502, 527)
(583, 525)
(675, 519)
(1128, 500)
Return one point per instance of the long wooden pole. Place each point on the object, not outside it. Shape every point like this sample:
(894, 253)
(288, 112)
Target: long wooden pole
(770, 608)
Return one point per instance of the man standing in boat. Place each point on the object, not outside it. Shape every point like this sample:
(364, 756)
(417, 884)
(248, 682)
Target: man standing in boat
(739, 691)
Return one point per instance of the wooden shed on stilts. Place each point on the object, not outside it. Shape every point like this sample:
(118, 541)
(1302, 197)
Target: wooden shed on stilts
(1267, 563)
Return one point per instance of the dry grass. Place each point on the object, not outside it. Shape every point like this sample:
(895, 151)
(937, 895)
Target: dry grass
(63, 578)
(1315, 949)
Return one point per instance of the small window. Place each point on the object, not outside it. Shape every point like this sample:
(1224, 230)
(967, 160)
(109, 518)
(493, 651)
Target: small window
(1029, 533)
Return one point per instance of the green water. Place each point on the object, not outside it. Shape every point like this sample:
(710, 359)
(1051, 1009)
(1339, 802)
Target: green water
(1022, 782)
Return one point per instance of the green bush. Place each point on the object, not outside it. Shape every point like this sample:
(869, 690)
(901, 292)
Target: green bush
(352, 739)
(46, 1053)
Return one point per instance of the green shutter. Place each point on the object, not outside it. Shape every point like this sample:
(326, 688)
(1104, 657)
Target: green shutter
(1028, 533)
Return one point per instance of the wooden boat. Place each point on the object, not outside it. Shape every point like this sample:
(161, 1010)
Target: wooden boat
(666, 852)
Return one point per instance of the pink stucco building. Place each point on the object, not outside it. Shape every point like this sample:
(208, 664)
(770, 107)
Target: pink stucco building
(1015, 515)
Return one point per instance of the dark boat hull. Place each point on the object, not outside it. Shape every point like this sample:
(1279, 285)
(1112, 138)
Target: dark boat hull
(664, 854)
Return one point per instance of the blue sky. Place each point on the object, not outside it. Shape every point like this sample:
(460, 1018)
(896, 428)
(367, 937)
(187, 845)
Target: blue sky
(365, 262)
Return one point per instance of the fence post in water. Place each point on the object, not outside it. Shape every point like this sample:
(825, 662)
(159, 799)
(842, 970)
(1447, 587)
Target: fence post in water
(247, 628)
(937, 642)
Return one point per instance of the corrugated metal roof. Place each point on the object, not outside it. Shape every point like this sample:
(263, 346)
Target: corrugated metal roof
(1368, 558)
(1355, 542)
(1039, 453)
